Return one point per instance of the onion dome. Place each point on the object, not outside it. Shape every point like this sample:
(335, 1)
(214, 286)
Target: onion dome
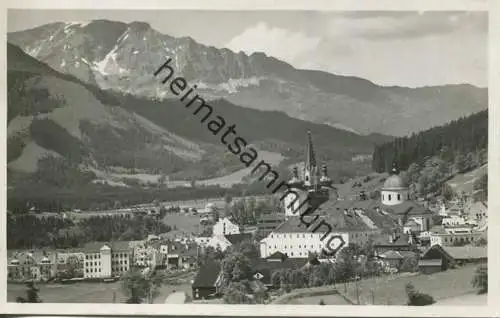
(394, 181)
(295, 181)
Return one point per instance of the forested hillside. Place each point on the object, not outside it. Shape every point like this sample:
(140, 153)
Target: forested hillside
(451, 141)
(434, 156)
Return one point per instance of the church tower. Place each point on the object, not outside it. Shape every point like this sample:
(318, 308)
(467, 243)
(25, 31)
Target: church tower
(312, 189)
(394, 191)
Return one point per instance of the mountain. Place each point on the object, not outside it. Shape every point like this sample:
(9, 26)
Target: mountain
(66, 132)
(123, 57)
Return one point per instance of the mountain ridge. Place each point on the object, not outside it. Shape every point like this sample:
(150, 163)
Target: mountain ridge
(60, 124)
(124, 56)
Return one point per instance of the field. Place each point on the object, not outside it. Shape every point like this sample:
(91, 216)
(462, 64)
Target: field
(465, 181)
(450, 287)
(226, 181)
(185, 223)
(87, 292)
(384, 291)
(347, 192)
(314, 300)
(464, 300)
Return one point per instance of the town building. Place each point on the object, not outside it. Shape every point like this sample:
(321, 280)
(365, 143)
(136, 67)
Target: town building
(454, 235)
(105, 260)
(207, 282)
(477, 211)
(147, 254)
(216, 242)
(452, 221)
(31, 265)
(70, 264)
(180, 256)
(440, 258)
(224, 227)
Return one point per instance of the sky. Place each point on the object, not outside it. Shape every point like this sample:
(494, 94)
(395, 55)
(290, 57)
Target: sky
(403, 48)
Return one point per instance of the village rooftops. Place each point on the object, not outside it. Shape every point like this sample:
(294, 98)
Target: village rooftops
(347, 215)
(406, 208)
(238, 238)
(95, 247)
(467, 252)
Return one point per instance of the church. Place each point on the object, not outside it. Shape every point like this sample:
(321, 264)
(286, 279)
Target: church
(312, 212)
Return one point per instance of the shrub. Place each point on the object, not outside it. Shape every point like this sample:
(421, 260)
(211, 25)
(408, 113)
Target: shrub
(322, 302)
(480, 280)
(416, 298)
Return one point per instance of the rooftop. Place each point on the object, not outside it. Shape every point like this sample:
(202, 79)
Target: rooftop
(467, 252)
(406, 207)
(238, 238)
(345, 215)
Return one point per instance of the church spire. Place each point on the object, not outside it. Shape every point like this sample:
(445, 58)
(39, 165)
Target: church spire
(311, 173)
(311, 157)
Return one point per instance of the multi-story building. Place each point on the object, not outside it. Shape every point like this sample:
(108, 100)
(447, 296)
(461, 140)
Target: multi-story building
(147, 254)
(104, 260)
(457, 235)
(70, 264)
(31, 265)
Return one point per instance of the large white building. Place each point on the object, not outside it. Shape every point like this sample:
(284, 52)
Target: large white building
(104, 260)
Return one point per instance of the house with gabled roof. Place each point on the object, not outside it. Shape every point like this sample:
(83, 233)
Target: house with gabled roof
(207, 281)
(440, 258)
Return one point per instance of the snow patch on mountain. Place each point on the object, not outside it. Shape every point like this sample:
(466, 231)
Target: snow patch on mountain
(109, 65)
(232, 85)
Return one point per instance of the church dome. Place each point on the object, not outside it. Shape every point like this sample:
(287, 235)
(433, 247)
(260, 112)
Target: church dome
(394, 182)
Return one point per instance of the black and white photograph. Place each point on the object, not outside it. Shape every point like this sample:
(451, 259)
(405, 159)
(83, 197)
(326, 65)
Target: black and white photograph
(251, 157)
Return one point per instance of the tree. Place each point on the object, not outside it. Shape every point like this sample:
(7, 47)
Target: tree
(410, 264)
(480, 242)
(31, 294)
(238, 293)
(447, 192)
(481, 184)
(140, 287)
(249, 250)
(416, 298)
(236, 267)
(480, 280)
(461, 163)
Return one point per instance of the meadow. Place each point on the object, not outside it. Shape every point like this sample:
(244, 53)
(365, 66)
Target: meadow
(88, 292)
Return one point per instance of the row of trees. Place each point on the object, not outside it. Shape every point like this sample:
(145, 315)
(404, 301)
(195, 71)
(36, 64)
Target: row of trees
(32, 191)
(30, 231)
(248, 211)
